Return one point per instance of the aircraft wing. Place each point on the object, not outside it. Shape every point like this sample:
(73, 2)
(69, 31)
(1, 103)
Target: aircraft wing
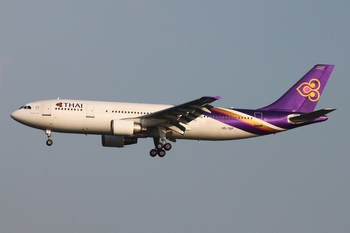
(176, 117)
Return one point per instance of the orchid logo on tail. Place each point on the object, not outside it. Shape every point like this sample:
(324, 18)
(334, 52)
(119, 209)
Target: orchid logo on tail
(310, 90)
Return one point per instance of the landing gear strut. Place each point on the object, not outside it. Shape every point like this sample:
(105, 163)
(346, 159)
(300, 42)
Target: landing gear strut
(49, 141)
(161, 146)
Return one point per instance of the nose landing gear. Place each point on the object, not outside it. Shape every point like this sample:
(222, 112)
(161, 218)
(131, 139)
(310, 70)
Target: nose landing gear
(49, 141)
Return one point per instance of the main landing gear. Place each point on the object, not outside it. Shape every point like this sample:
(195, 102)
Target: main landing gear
(160, 149)
(49, 141)
(161, 146)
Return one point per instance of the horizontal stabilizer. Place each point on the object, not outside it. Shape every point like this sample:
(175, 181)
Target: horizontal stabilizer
(310, 116)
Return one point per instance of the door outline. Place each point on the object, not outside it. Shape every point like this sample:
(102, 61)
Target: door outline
(258, 115)
(46, 109)
(90, 111)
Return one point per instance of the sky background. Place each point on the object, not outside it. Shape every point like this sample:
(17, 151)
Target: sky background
(171, 52)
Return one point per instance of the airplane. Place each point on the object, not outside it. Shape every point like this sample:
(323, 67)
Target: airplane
(121, 124)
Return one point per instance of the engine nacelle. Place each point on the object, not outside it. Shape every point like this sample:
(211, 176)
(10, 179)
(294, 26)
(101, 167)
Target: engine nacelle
(117, 141)
(124, 127)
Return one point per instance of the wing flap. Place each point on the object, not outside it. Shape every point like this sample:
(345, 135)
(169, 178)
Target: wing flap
(201, 108)
(177, 128)
(173, 117)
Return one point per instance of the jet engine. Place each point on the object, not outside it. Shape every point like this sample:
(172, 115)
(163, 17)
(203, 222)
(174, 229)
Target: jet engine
(117, 141)
(125, 127)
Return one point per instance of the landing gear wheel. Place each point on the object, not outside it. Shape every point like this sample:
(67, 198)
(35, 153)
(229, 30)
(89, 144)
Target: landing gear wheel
(161, 153)
(167, 146)
(153, 153)
(49, 142)
(159, 146)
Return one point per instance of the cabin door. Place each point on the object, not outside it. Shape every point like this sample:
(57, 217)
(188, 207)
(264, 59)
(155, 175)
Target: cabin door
(259, 116)
(46, 109)
(90, 111)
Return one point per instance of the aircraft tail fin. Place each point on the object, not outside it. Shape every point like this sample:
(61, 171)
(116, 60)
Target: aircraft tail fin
(304, 95)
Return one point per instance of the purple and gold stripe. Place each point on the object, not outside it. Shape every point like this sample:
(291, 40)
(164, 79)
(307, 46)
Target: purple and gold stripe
(243, 122)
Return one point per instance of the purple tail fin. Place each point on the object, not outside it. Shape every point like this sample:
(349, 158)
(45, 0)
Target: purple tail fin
(304, 95)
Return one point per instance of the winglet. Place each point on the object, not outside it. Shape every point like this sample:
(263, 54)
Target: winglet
(213, 97)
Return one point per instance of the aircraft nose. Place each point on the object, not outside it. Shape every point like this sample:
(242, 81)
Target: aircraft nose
(15, 115)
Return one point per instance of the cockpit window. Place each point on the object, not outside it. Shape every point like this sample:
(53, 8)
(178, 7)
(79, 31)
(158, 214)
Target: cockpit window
(26, 107)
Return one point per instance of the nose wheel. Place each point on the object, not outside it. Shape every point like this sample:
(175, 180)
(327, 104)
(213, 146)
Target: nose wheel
(49, 141)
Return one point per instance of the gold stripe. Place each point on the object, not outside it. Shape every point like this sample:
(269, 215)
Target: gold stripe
(249, 121)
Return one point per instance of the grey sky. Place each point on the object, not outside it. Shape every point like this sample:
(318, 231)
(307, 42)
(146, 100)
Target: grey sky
(248, 52)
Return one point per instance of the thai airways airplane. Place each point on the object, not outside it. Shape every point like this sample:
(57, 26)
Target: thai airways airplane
(121, 124)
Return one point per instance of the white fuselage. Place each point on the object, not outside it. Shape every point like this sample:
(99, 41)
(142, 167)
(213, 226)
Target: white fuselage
(94, 117)
(122, 124)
